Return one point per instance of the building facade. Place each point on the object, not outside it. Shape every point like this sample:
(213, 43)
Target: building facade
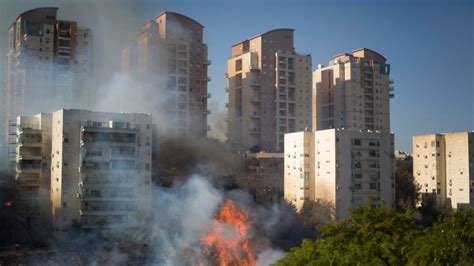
(169, 61)
(263, 176)
(443, 167)
(354, 91)
(101, 169)
(48, 59)
(299, 173)
(86, 169)
(346, 168)
(269, 91)
(347, 160)
(33, 164)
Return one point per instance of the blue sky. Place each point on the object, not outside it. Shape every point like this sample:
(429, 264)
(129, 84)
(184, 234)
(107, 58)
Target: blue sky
(429, 45)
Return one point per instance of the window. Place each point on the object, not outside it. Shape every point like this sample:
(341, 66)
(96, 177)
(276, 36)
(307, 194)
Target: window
(357, 142)
(238, 65)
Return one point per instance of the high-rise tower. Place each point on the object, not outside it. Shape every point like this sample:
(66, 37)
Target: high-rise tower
(269, 91)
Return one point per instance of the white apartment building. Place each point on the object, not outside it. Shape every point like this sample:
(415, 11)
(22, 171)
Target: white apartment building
(349, 156)
(429, 169)
(33, 163)
(443, 166)
(345, 167)
(101, 169)
(88, 169)
(299, 168)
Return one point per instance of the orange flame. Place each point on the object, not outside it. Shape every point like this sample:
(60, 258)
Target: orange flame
(229, 236)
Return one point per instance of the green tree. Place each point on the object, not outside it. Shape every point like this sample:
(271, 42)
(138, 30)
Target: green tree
(407, 190)
(370, 237)
(448, 243)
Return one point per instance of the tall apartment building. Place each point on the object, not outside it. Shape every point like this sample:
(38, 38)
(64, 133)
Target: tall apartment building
(170, 62)
(443, 166)
(33, 164)
(101, 169)
(354, 91)
(48, 59)
(346, 168)
(348, 158)
(269, 91)
(86, 168)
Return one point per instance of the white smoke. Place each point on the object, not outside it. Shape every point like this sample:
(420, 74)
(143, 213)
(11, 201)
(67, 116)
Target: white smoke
(182, 215)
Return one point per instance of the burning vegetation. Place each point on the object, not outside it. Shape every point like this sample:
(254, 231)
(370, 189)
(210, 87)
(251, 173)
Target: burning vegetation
(228, 241)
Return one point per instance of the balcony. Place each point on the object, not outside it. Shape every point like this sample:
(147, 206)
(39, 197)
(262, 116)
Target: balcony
(207, 79)
(30, 141)
(254, 67)
(31, 157)
(254, 82)
(254, 131)
(391, 95)
(254, 115)
(254, 99)
(91, 125)
(108, 137)
(207, 62)
(208, 128)
(207, 95)
(390, 81)
(28, 180)
(226, 75)
(29, 128)
(123, 153)
(391, 88)
(28, 168)
(207, 112)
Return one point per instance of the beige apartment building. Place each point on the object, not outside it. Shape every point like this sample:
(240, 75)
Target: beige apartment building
(33, 163)
(353, 91)
(347, 159)
(169, 61)
(269, 91)
(48, 59)
(443, 166)
(344, 167)
(87, 169)
(299, 170)
(101, 169)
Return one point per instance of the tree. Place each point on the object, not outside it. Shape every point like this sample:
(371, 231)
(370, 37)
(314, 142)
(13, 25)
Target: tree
(315, 214)
(27, 217)
(448, 243)
(371, 236)
(407, 190)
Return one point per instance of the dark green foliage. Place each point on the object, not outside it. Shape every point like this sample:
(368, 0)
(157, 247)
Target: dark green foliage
(407, 190)
(384, 237)
(448, 243)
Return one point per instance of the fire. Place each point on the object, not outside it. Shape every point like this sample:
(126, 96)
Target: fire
(228, 236)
